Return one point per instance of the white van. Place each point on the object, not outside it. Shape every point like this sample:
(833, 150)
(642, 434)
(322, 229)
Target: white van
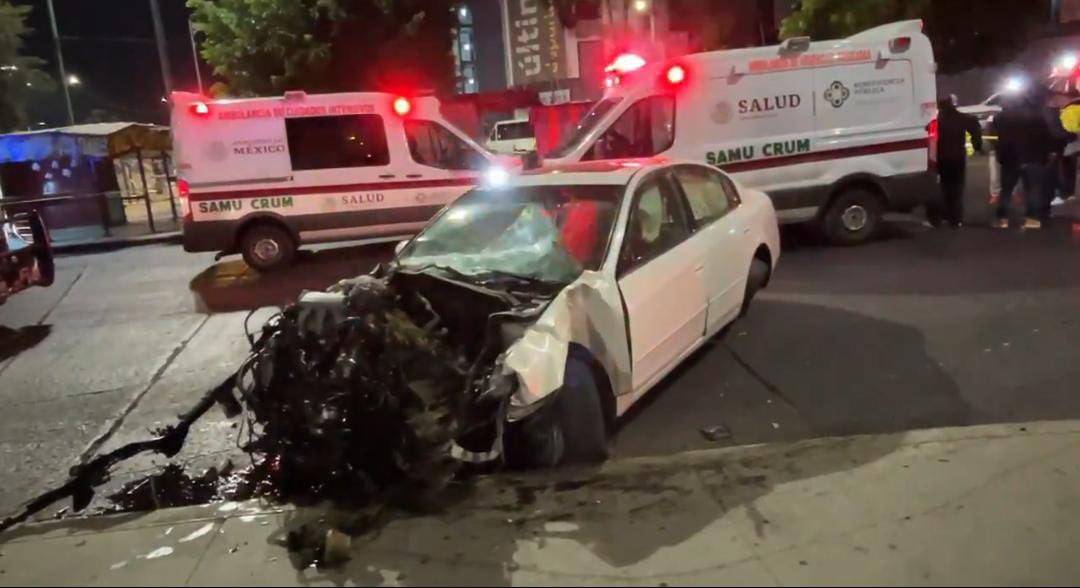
(511, 137)
(261, 176)
(835, 132)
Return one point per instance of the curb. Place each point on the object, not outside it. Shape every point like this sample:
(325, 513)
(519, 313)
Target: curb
(487, 493)
(114, 243)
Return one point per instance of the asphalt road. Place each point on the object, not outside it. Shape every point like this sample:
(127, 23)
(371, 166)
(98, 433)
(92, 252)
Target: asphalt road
(922, 328)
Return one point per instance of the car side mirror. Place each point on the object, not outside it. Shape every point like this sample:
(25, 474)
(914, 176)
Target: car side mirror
(400, 246)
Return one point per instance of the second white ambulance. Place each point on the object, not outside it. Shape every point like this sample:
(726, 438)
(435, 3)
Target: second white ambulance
(261, 176)
(836, 132)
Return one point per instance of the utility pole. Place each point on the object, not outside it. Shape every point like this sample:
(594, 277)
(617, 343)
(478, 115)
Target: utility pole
(60, 63)
(195, 54)
(162, 48)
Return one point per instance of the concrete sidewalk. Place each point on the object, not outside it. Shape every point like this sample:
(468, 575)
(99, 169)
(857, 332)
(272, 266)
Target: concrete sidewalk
(981, 505)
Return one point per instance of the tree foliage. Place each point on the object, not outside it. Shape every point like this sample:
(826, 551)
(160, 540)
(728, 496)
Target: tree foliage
(965, 33)
(269, 46)
(20, 75)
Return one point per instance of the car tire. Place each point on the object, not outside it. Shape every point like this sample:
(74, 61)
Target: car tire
(267, 247)
(755, 281)
(853, 217)
(571, 430)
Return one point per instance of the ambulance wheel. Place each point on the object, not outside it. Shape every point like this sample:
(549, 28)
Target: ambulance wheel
(853, 217)
(267, 247)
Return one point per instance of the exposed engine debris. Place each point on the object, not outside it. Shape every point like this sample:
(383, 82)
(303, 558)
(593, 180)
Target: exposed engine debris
(375, 391)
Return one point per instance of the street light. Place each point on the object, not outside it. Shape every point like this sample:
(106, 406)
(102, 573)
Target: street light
(641, 5)
(73, 80)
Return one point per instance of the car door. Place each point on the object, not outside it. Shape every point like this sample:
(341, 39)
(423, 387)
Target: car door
(720, 232)
(660, 276)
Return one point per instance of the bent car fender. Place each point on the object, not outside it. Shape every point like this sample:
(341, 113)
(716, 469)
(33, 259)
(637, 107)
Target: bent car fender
(589, 313)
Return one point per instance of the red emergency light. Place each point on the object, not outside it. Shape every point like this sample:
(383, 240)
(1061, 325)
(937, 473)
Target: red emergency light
(402, 106)
(200, 109)
(900, 44)
(675, 75)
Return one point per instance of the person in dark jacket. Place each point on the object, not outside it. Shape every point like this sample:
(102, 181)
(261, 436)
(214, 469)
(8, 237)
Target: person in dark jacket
(953, 129)
(1025, 143)
(1054, 175)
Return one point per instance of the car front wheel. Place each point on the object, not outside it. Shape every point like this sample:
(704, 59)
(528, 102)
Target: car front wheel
(569, 431)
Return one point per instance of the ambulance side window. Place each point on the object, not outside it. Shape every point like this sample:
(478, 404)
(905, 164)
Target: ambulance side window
(329, 142)
(432, 145)
(647, 128)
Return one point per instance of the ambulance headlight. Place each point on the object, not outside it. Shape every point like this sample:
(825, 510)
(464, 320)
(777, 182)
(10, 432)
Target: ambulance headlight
(496, 176)
(1068, 62)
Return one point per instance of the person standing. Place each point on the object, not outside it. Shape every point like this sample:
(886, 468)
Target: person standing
(1025, 142)
(1054, 179)
(953, 130)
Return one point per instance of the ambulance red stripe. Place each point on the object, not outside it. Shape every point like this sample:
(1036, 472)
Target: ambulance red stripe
(332, 189)
(816, 156)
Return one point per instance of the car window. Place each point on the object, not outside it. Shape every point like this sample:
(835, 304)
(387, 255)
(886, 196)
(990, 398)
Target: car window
(647, 128)
(327, 142)
(706, 193)
(513, 131)
(656, 225)
(433, 145)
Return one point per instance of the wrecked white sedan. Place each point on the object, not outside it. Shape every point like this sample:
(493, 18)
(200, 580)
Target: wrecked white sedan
(618, 271)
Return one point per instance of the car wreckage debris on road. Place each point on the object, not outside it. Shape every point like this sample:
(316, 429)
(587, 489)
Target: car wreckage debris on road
(351, 395)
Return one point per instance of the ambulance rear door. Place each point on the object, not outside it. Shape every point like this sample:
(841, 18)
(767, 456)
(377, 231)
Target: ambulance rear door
(219, 145)
(869, 114)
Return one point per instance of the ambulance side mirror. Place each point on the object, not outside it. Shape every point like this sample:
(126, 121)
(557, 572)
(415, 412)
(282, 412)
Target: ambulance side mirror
(400, 246)
(795, 45)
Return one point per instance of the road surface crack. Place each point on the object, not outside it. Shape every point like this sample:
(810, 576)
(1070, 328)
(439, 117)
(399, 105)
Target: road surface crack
(63, 297)
(96, 444)
(761, 379)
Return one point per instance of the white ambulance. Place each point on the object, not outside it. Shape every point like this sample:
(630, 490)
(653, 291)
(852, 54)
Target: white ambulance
(836, 132)
(261, 176)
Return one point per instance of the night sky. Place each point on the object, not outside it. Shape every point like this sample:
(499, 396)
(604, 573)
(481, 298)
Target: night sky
(109, 45)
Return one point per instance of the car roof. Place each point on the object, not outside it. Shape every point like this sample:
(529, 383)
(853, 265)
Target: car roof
(614, 172)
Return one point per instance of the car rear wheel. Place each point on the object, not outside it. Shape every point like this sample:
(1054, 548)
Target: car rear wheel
(853, 217)
(267, 247)
(570, 431)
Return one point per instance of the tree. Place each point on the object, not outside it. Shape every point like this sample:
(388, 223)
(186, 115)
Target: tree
(20, 75)
(265, 46)
(269, 46)
(965, 33)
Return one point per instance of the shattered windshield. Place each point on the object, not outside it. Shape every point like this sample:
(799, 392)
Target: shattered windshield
(538, 233)
(585, 126)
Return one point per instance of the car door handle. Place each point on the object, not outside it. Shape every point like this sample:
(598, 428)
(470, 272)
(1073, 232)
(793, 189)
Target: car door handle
(700, 268)
(387, 176)
(414, 176)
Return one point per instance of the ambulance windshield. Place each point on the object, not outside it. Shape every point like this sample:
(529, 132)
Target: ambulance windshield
(585, 126)
(539, 233)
